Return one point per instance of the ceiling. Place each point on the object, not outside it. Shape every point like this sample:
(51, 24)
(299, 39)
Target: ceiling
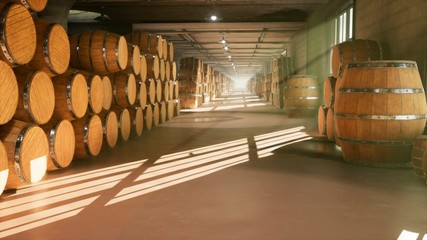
(256, 31)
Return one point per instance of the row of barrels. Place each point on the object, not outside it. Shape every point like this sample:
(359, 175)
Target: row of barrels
(104, 53)
(70, 114)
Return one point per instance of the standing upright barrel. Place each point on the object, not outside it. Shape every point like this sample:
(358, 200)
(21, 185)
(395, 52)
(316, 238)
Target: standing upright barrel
(354, 51)
(380, 109)
(98, 51)
(301, 96)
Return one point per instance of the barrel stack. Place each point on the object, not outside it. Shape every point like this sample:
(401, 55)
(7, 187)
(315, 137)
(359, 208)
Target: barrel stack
(199, 83)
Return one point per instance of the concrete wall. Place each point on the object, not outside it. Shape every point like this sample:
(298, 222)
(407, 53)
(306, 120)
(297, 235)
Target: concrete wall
(318, 38)
(401, 24)
(299, 52)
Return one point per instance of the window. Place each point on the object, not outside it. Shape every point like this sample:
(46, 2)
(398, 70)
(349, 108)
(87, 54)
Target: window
(341, 26)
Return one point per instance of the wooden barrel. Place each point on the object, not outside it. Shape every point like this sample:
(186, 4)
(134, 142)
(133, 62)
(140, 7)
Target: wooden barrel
(176, 90)
(108, 93)
(27, 150)
(151, 91)
(377, 118)
(177, 108)
(9, 93)
(143, 69)
(171, 52)
(125, 122)
(191, 87)
(89, 136)
(52, 53)
(124, 88)
(153, 66)
(171, 88)
(156, 114)
(110, 127)
(165, 49)
(137, 120)
(148, 117)
(419, 155)
(329, 91)
(162, 70)
(33, 5)
(155, 43)
(321, 119)
(140, 39)
(173, 71)
(98, 51)
(36, 96)
(134, 59)
(159, 91)
(190, 101)
(165, 91)
(163, 112)
(17, 23)
(142, 95)
(330, 127)
(167, 71)
(71, 95)
(61, 137)
(354, 51)
(170, 109)
(301, 95)
(4, 169)
(96, 91)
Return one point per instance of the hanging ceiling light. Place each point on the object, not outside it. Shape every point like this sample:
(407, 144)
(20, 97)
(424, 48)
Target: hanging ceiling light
(226, 48)
(102, 17)
(213, 18)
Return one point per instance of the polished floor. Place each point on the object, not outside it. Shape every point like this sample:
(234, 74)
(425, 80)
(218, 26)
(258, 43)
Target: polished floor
(236, 168)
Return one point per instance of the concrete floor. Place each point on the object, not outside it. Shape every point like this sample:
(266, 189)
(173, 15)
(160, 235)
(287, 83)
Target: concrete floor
(234, 169)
